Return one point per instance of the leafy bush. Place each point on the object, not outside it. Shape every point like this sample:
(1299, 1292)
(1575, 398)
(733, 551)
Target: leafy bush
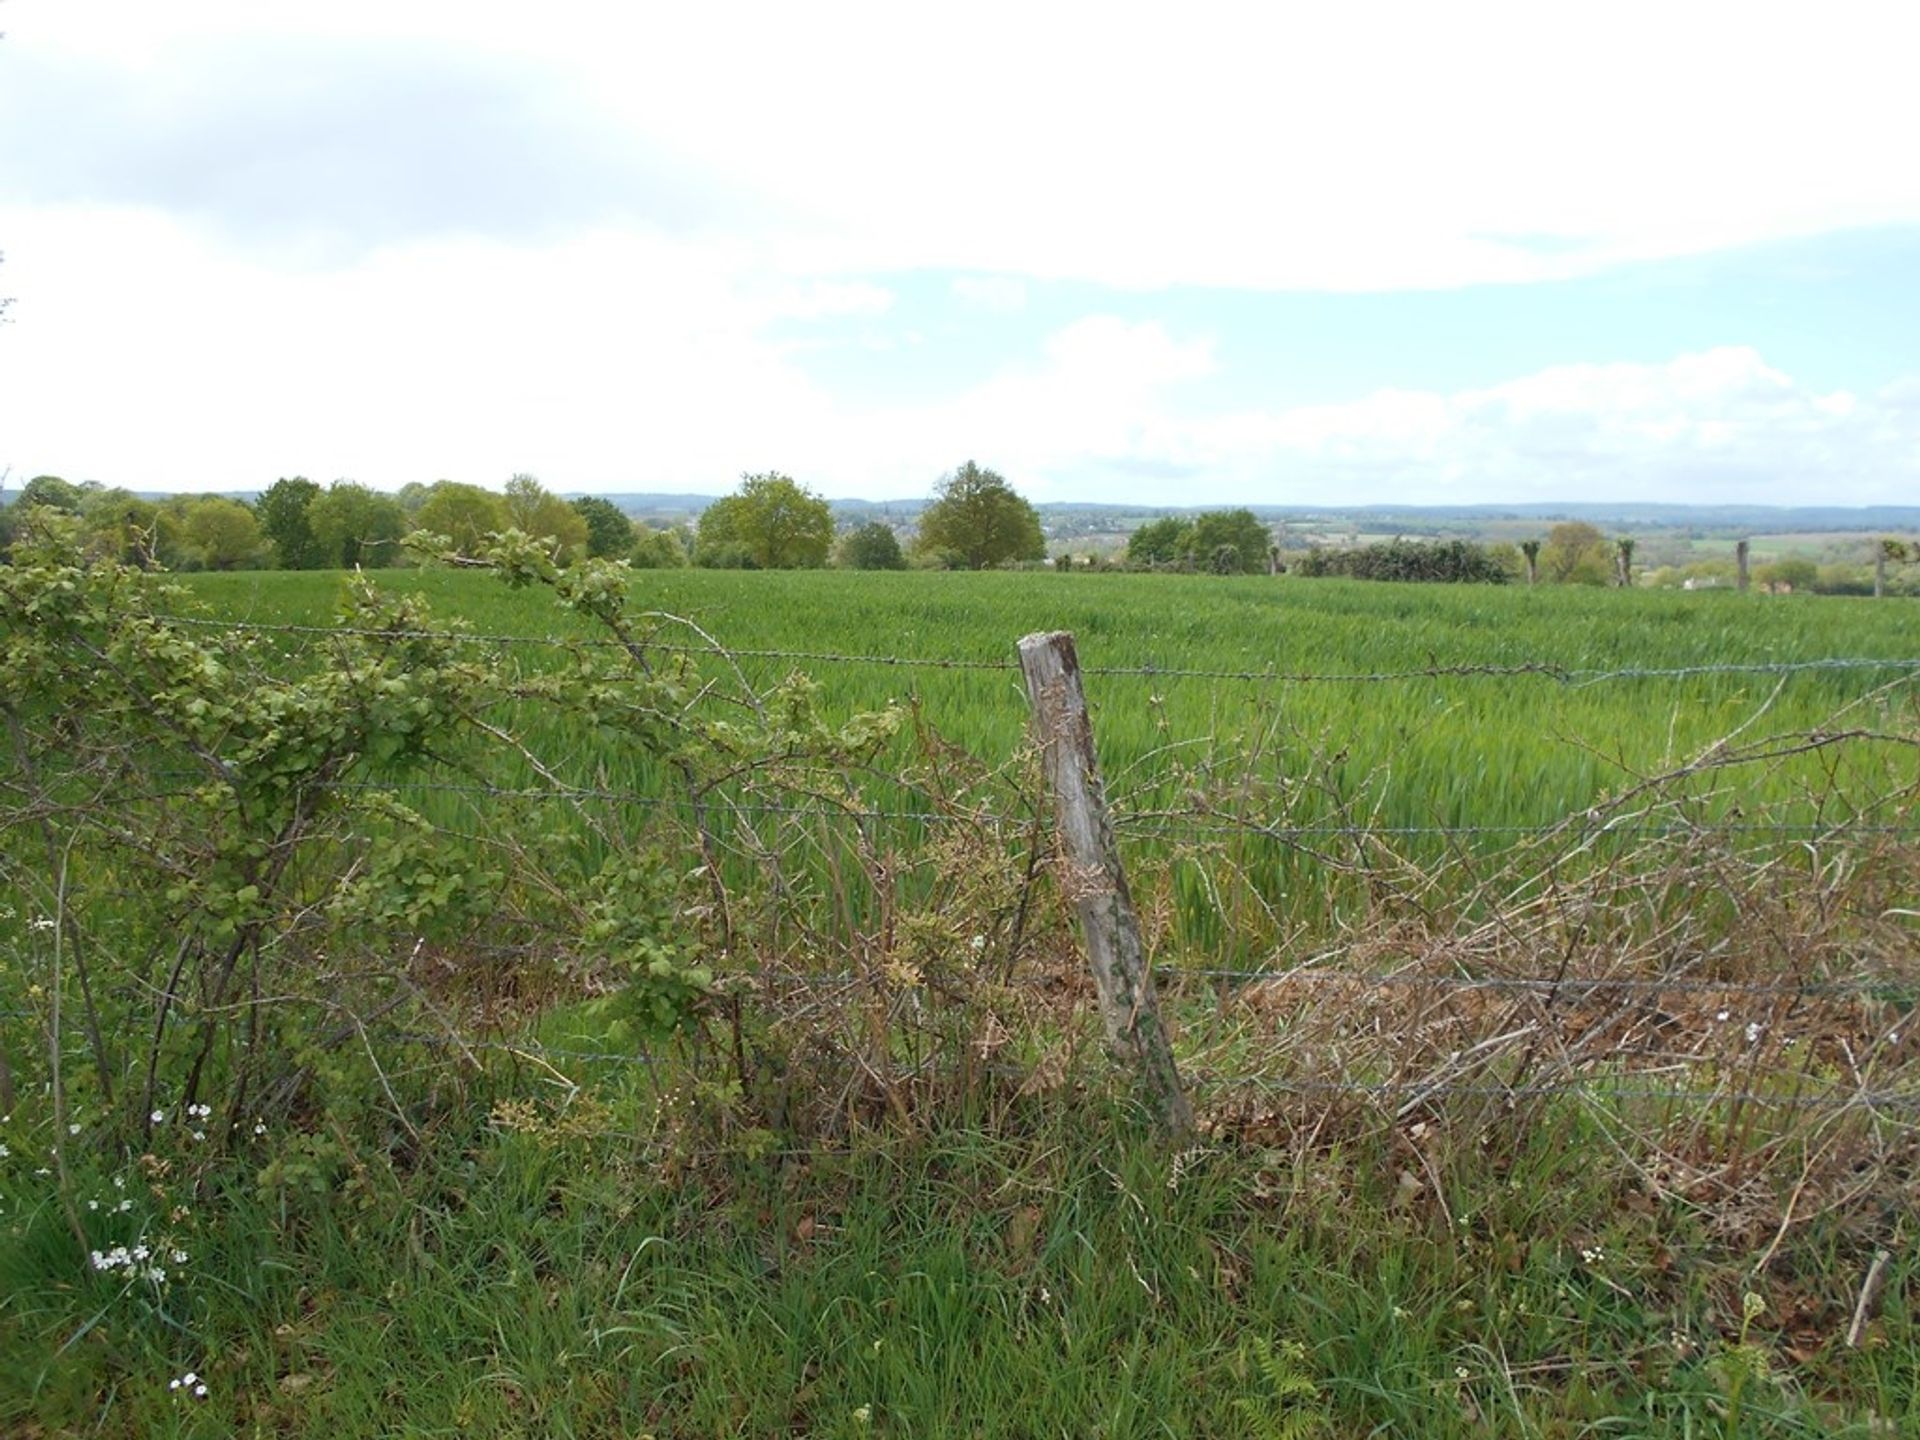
(1436, 561)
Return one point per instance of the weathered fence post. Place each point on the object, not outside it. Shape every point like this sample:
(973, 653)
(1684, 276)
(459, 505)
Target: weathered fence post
(1740, 562)
(1094, 881)
(1880, 571)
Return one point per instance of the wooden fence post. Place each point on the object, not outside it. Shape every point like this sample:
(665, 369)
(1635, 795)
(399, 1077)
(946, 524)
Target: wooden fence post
(1740, 563)
(1094, 881)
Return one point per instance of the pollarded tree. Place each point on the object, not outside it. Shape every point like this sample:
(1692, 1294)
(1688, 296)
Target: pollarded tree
(770, 523)
(982, 519)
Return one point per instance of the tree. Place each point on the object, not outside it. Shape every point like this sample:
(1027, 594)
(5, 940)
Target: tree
(1531, 549)
(220, 534)
(657, 549)
(534, 509)
(464, 514)
(873, 546)
(1788, 575)
(1228, 542)
(769, 523)
(282, 510)
(51, 491)
(118, 525)
(982, 519)
(1576, 553)
(1159, 542)
(609, 531)
(357, 526)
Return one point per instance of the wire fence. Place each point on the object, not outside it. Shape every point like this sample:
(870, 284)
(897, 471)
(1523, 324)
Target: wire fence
(1207, 824)
(1551, 670)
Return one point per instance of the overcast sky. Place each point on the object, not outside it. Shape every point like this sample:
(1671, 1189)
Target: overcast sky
(1172, 254)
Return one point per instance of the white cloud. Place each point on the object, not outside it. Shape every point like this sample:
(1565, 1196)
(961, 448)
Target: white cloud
(1001, 294)
(1721, 425)
(1339, 147)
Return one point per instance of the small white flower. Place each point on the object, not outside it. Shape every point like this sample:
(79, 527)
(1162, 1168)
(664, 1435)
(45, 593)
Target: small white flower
(259, 1127)
(199, 1134)
(4, 1152)
(1722, 1016)
(124, 1206)
(119, 1182)
(1754, 1027)
(73, 1129)
(178, 1257)
(158, 1117)
(200, 1392)
(93, 1204)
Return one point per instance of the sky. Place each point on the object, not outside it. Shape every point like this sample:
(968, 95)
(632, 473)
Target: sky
(1207, 254)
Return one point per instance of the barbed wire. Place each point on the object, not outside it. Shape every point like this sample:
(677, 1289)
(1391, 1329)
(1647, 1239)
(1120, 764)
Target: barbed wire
(1567, 675)
(1599, 1088)
(1159, 823)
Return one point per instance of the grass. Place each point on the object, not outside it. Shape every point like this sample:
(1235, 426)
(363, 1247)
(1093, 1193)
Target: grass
(1442, 750)
(1493, 755)
(1050, 1282)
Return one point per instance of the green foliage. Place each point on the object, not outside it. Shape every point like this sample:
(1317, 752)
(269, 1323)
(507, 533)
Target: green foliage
(536, 511)
(52, 492)
(466, 515)
(283, 512)
(609, 531)
(1794, 573)
(769, 523)
(118, 525)
(657, 549)
(1576, 553)
(873, 546)
(1160, 542)
(982, 519)
(1229, 542)
(214, 533)
(1435, 561)
(639, 919)
(359, 528)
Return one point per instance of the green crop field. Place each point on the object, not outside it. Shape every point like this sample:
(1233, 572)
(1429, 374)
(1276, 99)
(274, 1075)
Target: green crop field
(1444, 750)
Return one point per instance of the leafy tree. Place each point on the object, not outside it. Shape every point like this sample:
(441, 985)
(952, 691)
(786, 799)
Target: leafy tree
(1159, 542)
(1576, 553)
(118, 525)
(219, 534)
(1793, 573)
(534, 509)
(357, 526)
(657, 549)
(282, 510)
(609, 531)
(412, 496)
(873, 546)
(465, 514)
(982, 519)
(51, 490)
(769, 523)
(1229, 542)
